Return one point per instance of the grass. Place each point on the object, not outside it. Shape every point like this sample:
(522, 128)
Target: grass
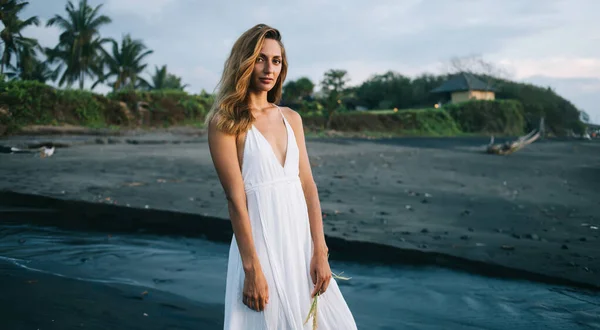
(192, 123)
(389, 111)
(312, 312)
(383, 135)
(332, 133)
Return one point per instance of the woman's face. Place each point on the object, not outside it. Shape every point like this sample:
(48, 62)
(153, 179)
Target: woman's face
(267, 66)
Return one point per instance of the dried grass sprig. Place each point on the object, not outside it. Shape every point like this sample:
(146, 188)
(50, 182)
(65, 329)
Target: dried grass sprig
(312, 312)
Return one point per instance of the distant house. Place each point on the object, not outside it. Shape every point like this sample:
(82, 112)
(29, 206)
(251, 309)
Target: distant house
(465, 86)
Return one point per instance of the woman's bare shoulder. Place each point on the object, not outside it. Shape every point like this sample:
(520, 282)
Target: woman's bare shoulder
(213, 127)
(292, 116)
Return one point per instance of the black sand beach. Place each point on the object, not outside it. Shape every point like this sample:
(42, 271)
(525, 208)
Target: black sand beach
(536, 211)
(441, 201)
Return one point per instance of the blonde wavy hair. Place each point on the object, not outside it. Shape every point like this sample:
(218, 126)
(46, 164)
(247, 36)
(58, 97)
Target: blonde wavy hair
(230, 109)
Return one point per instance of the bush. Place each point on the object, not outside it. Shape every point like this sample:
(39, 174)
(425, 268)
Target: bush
(27, 102)
(561, 116)
(419, 122)
(504, 117)
(167, 107)
(34, 103)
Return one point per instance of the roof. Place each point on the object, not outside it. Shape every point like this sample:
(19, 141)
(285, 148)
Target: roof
(463, 82)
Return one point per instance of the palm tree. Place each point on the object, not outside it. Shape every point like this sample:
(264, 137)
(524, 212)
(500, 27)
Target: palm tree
(10, 7)
(79, 50)
(161, 79)
(125, 64)
(30, 67)
(11, 35)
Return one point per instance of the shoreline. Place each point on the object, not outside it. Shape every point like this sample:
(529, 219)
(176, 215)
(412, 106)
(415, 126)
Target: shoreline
(423, 201)
(68, 215)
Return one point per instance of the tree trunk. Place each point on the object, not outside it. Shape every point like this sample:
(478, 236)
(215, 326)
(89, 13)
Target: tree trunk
(329, 119)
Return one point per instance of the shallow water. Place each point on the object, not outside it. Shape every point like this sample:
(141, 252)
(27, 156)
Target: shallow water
(380, 297)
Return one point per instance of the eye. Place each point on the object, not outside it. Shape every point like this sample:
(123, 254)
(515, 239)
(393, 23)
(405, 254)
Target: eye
(277, 61)
(260, 59)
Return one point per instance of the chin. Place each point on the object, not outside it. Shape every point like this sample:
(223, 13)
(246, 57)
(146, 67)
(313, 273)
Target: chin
(263, 88)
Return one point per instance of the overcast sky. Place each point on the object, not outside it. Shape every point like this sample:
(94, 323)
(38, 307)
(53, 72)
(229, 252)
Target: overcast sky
(548, 42)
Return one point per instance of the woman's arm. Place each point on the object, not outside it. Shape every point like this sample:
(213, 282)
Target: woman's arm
(319, 269)
(311, 194)
(223, 150)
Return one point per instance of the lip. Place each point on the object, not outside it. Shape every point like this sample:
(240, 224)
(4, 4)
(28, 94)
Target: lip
(266, 80)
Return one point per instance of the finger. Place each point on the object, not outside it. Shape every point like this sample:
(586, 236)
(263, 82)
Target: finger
(317, 286)
(263, 304)
(313, 275)
(325, 285)
(315, 290)
(322, 286)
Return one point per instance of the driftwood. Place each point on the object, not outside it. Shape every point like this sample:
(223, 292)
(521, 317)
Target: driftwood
(508, 148)
(512, 146)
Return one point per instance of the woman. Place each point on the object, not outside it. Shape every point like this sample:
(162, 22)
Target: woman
(278, 256)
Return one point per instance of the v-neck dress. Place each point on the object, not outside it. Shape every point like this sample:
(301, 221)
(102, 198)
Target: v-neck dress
(281, 231)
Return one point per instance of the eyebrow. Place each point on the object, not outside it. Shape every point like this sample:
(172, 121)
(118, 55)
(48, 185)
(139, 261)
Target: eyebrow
(264, 55)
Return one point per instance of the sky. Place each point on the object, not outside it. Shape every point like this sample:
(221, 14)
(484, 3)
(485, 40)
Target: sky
(551, 43)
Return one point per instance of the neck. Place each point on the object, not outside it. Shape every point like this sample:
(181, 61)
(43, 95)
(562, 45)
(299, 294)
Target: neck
(258, 100)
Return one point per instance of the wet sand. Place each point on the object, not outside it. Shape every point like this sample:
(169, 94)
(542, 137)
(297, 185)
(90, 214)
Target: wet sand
(35, 300)
(535, 212)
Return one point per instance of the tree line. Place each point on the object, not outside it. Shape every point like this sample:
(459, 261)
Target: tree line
(392, 90)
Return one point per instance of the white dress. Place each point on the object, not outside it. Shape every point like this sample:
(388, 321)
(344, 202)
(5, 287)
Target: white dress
(281, 232)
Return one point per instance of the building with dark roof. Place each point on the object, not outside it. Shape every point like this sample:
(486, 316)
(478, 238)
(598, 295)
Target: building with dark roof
(465, 86)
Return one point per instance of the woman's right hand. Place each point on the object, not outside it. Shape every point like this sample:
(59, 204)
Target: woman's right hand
(256, 290)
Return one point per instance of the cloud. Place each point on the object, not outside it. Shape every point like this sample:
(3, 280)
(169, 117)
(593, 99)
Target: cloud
(197, 76)
(558, 67)
(46, 36)
(147, 9)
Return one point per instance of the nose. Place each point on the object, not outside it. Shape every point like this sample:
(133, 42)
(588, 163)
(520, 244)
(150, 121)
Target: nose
(268, 68)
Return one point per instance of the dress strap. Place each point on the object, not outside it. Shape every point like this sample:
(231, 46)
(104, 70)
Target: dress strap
(281, 112)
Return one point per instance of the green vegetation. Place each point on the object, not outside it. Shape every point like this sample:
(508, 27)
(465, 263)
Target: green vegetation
(496, 117)
(140, 99)
(165, 107)
(518, 106)
(560, 114)
(34, 103)
(430, 122)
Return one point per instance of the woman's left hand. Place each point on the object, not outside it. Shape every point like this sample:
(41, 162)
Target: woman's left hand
(320, 273)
